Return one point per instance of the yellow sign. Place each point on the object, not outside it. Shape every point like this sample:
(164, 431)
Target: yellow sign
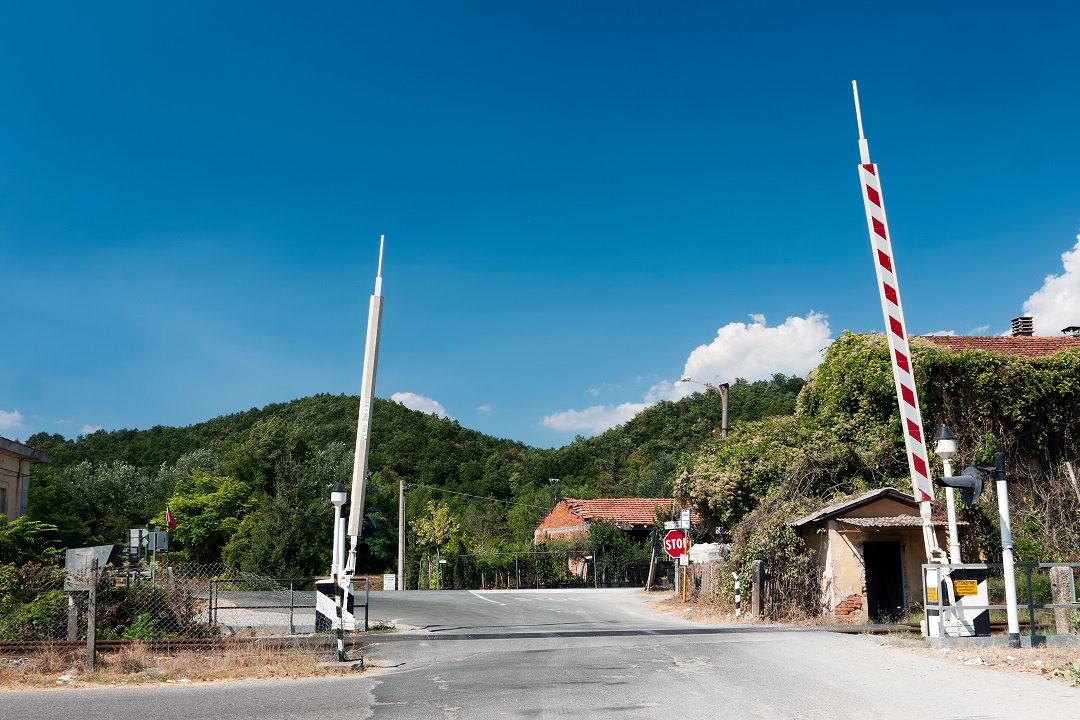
(931, 594)
(966, 587)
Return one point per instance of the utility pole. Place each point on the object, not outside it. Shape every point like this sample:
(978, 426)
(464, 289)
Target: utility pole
(401, 537)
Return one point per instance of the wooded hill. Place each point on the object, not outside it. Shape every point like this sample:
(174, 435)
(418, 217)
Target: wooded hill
(252, 489)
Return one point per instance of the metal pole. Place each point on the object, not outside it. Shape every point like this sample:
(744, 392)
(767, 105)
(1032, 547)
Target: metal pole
(1031, 605)
(339, 597)
(1008, 566)
(401, 537)
(950, 504)
(335, 561)
(292, 626)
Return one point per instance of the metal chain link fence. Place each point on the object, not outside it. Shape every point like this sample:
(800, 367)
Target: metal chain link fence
(43, 602)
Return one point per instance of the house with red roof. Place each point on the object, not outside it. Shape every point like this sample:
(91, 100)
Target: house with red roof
(571, 518)
(1016, 345)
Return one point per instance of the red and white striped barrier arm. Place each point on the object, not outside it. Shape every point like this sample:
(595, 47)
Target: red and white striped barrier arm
(893, 311)
(896, 331)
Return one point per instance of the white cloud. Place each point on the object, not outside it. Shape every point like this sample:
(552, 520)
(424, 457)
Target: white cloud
(753, 352)
(942, 333)
(593, 420)
(89, 429)
(1056, 304)
(484, 408)
(419, 402)
(10, 420)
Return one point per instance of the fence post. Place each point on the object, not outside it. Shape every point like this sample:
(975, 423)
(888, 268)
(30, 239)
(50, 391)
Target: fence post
(1062, 593)
(757, 574)
(74, 603)
(292, 626)
(91, 617)
(1031, 607)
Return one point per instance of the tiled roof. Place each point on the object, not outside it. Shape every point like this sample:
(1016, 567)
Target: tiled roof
(895, 521)
(638, 511)
(1021, 346)
(836, 510)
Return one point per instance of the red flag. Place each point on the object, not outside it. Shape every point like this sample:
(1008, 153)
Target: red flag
(170, 521)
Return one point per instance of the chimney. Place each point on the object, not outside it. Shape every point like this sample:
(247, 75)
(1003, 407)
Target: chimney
(1022, 327)
(1072, 331)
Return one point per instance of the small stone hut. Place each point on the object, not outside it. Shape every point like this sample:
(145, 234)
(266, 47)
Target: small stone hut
(870, 551)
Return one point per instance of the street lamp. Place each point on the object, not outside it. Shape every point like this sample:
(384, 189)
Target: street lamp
(945, 448)
(722, 388)
(338, 496)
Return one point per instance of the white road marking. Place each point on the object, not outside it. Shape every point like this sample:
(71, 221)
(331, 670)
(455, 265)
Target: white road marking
(476, 593)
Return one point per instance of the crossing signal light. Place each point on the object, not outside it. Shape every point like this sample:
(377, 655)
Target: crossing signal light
(969, 483)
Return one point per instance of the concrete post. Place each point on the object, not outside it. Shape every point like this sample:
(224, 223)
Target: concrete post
(1062, 591)
(91, 617)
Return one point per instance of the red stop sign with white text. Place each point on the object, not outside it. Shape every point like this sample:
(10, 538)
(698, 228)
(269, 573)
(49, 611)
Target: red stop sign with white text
(675, 543)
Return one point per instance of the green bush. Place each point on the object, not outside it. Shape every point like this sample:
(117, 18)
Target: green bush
(43, 618)
(143, 627)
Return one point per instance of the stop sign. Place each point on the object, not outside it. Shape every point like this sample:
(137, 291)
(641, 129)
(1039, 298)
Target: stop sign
(675, 543)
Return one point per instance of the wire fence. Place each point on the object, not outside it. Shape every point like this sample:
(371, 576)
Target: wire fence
(43, 602)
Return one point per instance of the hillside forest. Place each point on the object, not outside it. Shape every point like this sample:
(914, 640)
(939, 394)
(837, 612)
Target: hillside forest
(252, 489)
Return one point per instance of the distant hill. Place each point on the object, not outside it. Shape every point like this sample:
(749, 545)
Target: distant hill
(287, 455)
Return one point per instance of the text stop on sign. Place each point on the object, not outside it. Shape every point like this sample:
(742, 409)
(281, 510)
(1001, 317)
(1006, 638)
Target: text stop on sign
(675, 543)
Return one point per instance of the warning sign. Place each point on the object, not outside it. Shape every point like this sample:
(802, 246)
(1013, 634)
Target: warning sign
(931, 594)
(966, 587)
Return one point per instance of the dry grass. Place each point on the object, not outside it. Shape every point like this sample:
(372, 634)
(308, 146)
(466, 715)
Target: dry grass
(136, 664)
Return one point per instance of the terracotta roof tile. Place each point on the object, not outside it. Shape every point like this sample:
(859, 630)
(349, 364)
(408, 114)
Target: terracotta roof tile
(1020, 346)
(639, 511)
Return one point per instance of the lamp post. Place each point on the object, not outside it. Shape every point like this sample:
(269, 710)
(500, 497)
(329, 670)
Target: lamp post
(1007, 559)
(338, 496)
(722, 388)
(945, 448)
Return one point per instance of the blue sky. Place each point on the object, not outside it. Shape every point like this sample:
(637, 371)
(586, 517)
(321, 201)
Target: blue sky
(582, 202)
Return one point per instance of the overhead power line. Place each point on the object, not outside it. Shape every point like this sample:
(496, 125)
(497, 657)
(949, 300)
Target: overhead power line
(477, 497)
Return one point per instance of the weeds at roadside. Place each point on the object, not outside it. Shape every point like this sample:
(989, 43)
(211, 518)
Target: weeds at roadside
(136, 664)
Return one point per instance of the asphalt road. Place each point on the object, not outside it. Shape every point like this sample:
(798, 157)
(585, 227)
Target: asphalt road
(588, 654)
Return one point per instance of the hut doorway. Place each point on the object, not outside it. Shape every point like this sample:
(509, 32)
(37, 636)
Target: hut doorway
(884, 565)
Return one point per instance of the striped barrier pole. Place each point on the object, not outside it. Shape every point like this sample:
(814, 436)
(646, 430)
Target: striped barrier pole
(896, 333)
(738, 596)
